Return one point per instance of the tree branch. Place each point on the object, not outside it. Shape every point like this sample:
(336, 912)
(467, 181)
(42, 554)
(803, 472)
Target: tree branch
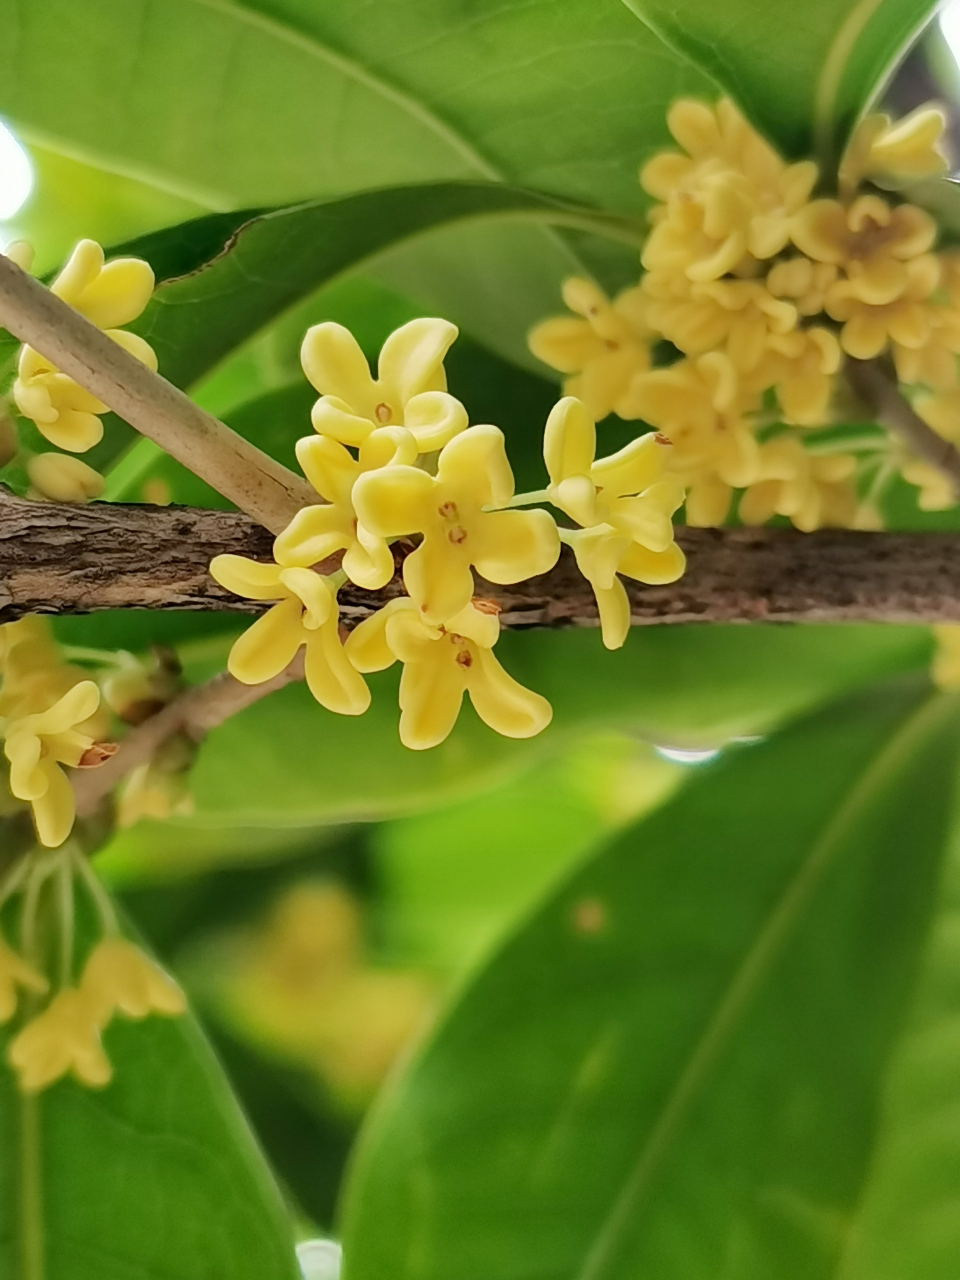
(194, 713)
(244, 474)
(60, 559)
(880, 391)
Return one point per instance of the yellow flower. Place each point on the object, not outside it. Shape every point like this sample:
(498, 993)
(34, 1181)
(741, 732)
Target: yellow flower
(870, 239)
(606, 349)
(700, 405)
(449, 510)
(64, 1038)
(36, 745)
(804, 282)
(306, 614)
(937, 491)
(120, 978)
(905, 319)
(15, 972)
(441, 663)
(60, 478)
(109, 295)
(895, 154)
(409, 391)
(623, 504)
(802, 367)
(737, 315)
(945, 670)
(729, 199)
(812, 490)
(317, 532)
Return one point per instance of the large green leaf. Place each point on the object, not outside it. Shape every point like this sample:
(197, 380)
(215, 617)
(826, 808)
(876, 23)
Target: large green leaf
(802, 73)
(674, 1068)
(287, 762)
(283, 100)
(156, 1177)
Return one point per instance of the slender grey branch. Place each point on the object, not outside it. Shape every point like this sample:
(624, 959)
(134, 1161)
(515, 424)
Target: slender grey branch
(877, 387)
(260, 486)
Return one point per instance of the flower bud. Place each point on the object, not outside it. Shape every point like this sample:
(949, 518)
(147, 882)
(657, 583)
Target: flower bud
(64, 479)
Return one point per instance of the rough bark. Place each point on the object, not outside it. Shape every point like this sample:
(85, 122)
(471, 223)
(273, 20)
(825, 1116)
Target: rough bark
(58, 559)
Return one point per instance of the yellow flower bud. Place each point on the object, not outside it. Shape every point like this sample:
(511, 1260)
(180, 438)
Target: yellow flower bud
(64, 1038)
(895, 154)
(60, 478)
(120, 978)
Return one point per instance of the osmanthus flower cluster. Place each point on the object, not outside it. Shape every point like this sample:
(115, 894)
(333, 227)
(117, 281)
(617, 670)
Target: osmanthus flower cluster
(63, 1013)
(767, 277)
(109, 295)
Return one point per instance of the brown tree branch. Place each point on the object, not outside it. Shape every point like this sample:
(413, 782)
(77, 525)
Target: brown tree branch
(58, 559)
(193, 714)
(880, 391)
(259, 485)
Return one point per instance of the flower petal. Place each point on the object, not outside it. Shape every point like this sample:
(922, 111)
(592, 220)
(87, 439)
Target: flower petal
(438, 578)
(332, 360)
(503, 703)
(598, 551)
(333, 417)
(54, 812)
(388, 447)
(74, 430)
(368, 561)
(313, 592)
(434, 418)
(565, 343)
(79, 271)
(331, 677)
(330, 468)
(475, 463)
(269, 645)
(249, 578)
(396, 500)
(366, 645)
(632, 468)
(613, 607)
(117, 294)
(77, 705)
(313, 534)
(569, 440)
(411, 359)
(136, 346)
(431, 694)
(508, 546)
(656, 568)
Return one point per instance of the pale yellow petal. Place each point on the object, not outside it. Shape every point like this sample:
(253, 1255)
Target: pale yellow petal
(332, 360)
(266, 648)
(76, 705)
(482, 626)
(503, 703)
(135, 346)
(23, 749)
(598, 551)
(331, 677)
(634, 467)
(368, 561)
(569, 440)
(313, 592)
(656, 568)
(330, 468)
(434, 418)
(431, 694)
(411, 360)
(565, 343)
(118, 293)
(389, 446)
(311, 536)
(613, 607)
(396, 500)
(509, 546)
(249, 578)
(79, 271)
(74, 430)
(366, 645)
(54, 812)
(438, 578)
(332, 417)
(475, 462)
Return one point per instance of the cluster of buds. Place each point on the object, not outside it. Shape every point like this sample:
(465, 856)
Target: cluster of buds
(63, 1018)
(109, 295)
(766, 288)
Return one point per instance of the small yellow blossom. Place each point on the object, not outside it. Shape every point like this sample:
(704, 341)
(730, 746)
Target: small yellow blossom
(306, 614)
(738, 316)
(605, 350)
(937, 490)
(811, 490)
(895, 154)
(729, 200)
(802, 367)
(409, 391)
(804, 282)
(64, 1038)
(120, 978)
(623, 504)
(37, 745)
(60, 478)
(450, 511)
(441, 663)
(15, 972)
(904, 320)
(108, 295)
(317, 532)
(872, 240)
(945, 670)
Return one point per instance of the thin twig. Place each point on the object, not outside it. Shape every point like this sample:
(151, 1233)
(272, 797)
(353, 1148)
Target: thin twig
(260, 486)
(193, 714)
(871, 380)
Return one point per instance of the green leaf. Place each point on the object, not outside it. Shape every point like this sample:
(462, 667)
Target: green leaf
(286, 761)
(156, 1176)
(802, 74)
(425, 93)
(674, 1068)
